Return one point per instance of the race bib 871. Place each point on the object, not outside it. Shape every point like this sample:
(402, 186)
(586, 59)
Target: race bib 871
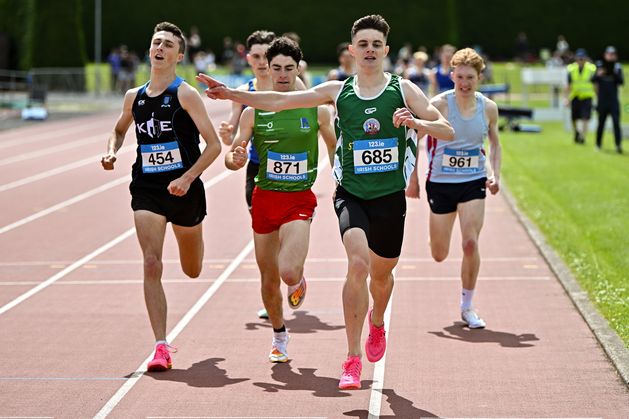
(158, 158)
(287, 167)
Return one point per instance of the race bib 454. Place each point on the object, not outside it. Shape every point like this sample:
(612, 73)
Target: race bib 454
(163, 157)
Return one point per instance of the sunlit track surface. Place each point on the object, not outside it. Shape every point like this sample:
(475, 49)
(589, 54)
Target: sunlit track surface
(73, 346)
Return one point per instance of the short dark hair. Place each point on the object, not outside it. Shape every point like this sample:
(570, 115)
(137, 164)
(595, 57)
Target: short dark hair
(342, 47)
(376, 22)
(284, 46)
(260, 37)
(174, 29)
(294, 36)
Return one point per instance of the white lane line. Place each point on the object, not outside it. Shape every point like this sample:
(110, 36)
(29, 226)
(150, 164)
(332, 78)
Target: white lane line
(375, 401)
(66, 271)
(139, 372)
(48, 135)
(249, 280)
(66, 203)
(89, 194)
(92, 255)
(61, 169)
(53, 149)
(251, 260)
(63, 378)
(236, 417)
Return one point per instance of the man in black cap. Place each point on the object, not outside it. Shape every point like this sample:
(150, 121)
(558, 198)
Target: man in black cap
(608, 78)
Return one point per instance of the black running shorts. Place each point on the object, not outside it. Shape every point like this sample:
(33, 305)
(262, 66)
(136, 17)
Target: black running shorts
(443, 198)
(186, 211)
(382, 219)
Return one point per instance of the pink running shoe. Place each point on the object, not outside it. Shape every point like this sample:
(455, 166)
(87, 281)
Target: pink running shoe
(161, 361)
(376, 343)
(350, 378)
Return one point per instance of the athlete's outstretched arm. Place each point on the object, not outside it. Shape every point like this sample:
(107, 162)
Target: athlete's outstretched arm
(495, 149)
(193, 104)
(326, 130)
(236, 158)
(116, 139)
(273, 101)
(429, 121)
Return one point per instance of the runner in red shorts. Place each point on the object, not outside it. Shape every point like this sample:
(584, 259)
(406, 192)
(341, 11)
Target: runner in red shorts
(282, 204)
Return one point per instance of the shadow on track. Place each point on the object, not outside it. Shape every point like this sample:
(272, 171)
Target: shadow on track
(458, 331)
(200, 374)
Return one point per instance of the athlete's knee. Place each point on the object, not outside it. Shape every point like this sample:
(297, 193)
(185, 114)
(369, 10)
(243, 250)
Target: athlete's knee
(470, 247)
(291, 274)
(269, 285)
(439, 254)
(193, 271)
(357, 267)
(152, 266)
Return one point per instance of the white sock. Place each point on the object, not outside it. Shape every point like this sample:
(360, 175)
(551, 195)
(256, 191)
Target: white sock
(161, 342)
(466, 299)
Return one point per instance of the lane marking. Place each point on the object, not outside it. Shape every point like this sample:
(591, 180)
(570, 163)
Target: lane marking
(250, 280)
(60, 169)
(43, 136)
(66, 203)
(87, 258)
(375, 400)
(53, 149)
(139, 372)
(66, 271)
(250, 260)
(63, 378)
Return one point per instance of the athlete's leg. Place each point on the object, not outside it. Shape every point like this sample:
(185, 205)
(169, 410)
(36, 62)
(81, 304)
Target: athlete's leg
(440, 231)
(190, 241)
(471, 215)
(150, 229)
(294, 239)
(380, 285)
(355, 293)
(267, 248)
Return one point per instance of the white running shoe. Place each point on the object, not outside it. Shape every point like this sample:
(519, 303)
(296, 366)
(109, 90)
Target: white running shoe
(472, 320)
(279, 353)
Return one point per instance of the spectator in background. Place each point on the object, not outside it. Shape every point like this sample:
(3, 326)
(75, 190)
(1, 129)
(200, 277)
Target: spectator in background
(440, 79)
(239, 59)
(580, 93)
(563, 48)
(418, 73)
(608, 78)
(128, 65)
(522, 49)
(346, 66)
(228, 51)
(194, 43)
(114, 63)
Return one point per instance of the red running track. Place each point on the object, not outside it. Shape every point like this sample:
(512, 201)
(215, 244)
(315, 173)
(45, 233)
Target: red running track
(75, 332)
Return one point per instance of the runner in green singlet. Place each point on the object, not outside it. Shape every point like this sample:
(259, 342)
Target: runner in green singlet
(282, 203)
(375, 154)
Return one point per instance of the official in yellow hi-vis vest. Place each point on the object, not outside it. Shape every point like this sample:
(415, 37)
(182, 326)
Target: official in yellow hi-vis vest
(580, 93)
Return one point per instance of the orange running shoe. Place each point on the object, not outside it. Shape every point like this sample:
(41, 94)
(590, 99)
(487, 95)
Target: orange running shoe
(297, 294)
